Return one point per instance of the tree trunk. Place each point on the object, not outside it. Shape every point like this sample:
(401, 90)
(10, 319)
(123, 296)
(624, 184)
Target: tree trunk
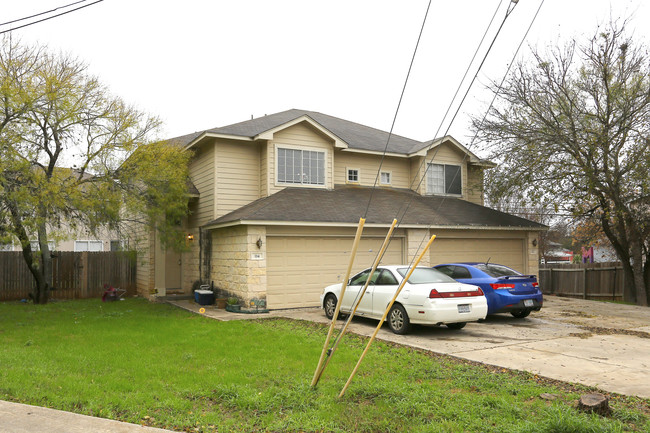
(637, 267)
(41, 290)
(646, 275)
(46, 265)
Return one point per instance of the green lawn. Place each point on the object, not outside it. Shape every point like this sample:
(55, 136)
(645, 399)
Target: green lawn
(158, 365)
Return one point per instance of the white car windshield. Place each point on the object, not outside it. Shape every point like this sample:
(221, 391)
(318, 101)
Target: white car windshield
(425, 276)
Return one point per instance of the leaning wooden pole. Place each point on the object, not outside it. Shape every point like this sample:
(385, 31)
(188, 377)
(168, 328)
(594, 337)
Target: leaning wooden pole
(390, 305)
(344, 284)
(330, 352)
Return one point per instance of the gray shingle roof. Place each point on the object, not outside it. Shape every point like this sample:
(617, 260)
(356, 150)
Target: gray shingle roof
(346, 204)
(357, 136)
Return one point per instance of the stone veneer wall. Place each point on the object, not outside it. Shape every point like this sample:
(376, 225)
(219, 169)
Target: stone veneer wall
(238, 265)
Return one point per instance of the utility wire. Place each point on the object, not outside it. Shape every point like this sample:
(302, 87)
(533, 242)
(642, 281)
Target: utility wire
(399, 103)
(441, 123)
(48, 18)
(469, 87)
(500, 86)
(510, 9)
(42, 13)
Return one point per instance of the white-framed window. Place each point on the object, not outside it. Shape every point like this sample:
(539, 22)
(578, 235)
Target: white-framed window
(300, 167)
(36, 247)
(7, 247)
(118, 245)
(444, 179)
(88, 245)
(385, 178)
(353, 175)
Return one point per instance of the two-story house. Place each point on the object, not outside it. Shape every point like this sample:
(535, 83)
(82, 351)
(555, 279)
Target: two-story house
(276, 201)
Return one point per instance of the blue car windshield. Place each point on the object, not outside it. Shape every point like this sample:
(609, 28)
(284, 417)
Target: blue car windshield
(496, 271)
(425, 275)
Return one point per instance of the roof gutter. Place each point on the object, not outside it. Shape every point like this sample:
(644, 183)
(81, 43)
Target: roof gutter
(376, 225)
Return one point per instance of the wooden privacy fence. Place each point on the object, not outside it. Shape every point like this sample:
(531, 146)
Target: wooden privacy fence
(74, 275)
(583, 280)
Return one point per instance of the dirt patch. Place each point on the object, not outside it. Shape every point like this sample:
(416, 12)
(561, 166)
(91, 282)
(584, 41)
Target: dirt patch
(610, 331)
(570, 313)
(583, 335)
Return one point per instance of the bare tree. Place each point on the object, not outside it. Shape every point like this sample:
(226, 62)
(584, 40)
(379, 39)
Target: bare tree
(572, 130)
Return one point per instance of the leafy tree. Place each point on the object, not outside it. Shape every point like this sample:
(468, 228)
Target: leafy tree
(571, 130)
(72, 156)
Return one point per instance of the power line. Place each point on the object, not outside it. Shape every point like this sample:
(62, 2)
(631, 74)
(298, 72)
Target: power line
(399, 103)
(42, 13)
(48, 18)
(424, 164)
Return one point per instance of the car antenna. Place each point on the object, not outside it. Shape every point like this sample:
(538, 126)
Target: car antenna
(488, 260)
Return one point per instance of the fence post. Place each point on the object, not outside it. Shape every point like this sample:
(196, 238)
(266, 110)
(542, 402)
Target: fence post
(84, 274)
(584, 283)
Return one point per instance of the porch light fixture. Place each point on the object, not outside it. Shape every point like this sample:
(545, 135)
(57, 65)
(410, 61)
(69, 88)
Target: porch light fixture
(259, 243)
(535, 242)
(190, 237)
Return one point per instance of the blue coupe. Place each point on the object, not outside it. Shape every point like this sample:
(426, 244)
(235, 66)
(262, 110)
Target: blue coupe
(506, 290)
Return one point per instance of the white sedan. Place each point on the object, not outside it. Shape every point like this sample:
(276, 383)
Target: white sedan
(429, 297)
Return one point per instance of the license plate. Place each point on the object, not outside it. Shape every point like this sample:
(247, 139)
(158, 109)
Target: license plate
(528, 303)
(463, 308)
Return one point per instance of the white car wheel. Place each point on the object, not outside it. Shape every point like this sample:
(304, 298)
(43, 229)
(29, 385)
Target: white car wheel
(398, 320)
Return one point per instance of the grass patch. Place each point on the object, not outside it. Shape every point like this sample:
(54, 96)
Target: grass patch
(158, 365)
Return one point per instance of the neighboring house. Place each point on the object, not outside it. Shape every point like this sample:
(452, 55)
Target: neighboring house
(276, 200)
(556, 254)
(67, 238)
(74, 242)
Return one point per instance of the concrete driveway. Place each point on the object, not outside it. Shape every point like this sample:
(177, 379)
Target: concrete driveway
(593, 343)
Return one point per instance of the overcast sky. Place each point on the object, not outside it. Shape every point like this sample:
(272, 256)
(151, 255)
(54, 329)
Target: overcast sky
(202, 64)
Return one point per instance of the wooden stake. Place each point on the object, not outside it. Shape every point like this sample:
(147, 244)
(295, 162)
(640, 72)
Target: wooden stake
(390, 305)
(330, 353)
(344, 284)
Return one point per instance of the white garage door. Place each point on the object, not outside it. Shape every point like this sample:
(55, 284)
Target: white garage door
(298, 268)
(509, 252)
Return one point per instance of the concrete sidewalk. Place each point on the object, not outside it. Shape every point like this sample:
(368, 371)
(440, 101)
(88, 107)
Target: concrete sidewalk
(22, 418)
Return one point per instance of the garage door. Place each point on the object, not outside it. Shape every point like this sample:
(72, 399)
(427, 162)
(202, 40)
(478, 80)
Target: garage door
(298, 268)
(509, 252)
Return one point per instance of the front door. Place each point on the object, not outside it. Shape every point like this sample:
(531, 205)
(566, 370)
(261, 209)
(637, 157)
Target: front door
(173, 262)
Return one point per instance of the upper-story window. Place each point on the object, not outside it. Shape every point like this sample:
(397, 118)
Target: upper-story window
(302, 167)
(444, 179)
(353, 175)
(385, 178)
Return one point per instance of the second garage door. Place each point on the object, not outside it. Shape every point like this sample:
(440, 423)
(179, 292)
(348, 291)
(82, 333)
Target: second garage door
(509, 252)
(298, 268)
